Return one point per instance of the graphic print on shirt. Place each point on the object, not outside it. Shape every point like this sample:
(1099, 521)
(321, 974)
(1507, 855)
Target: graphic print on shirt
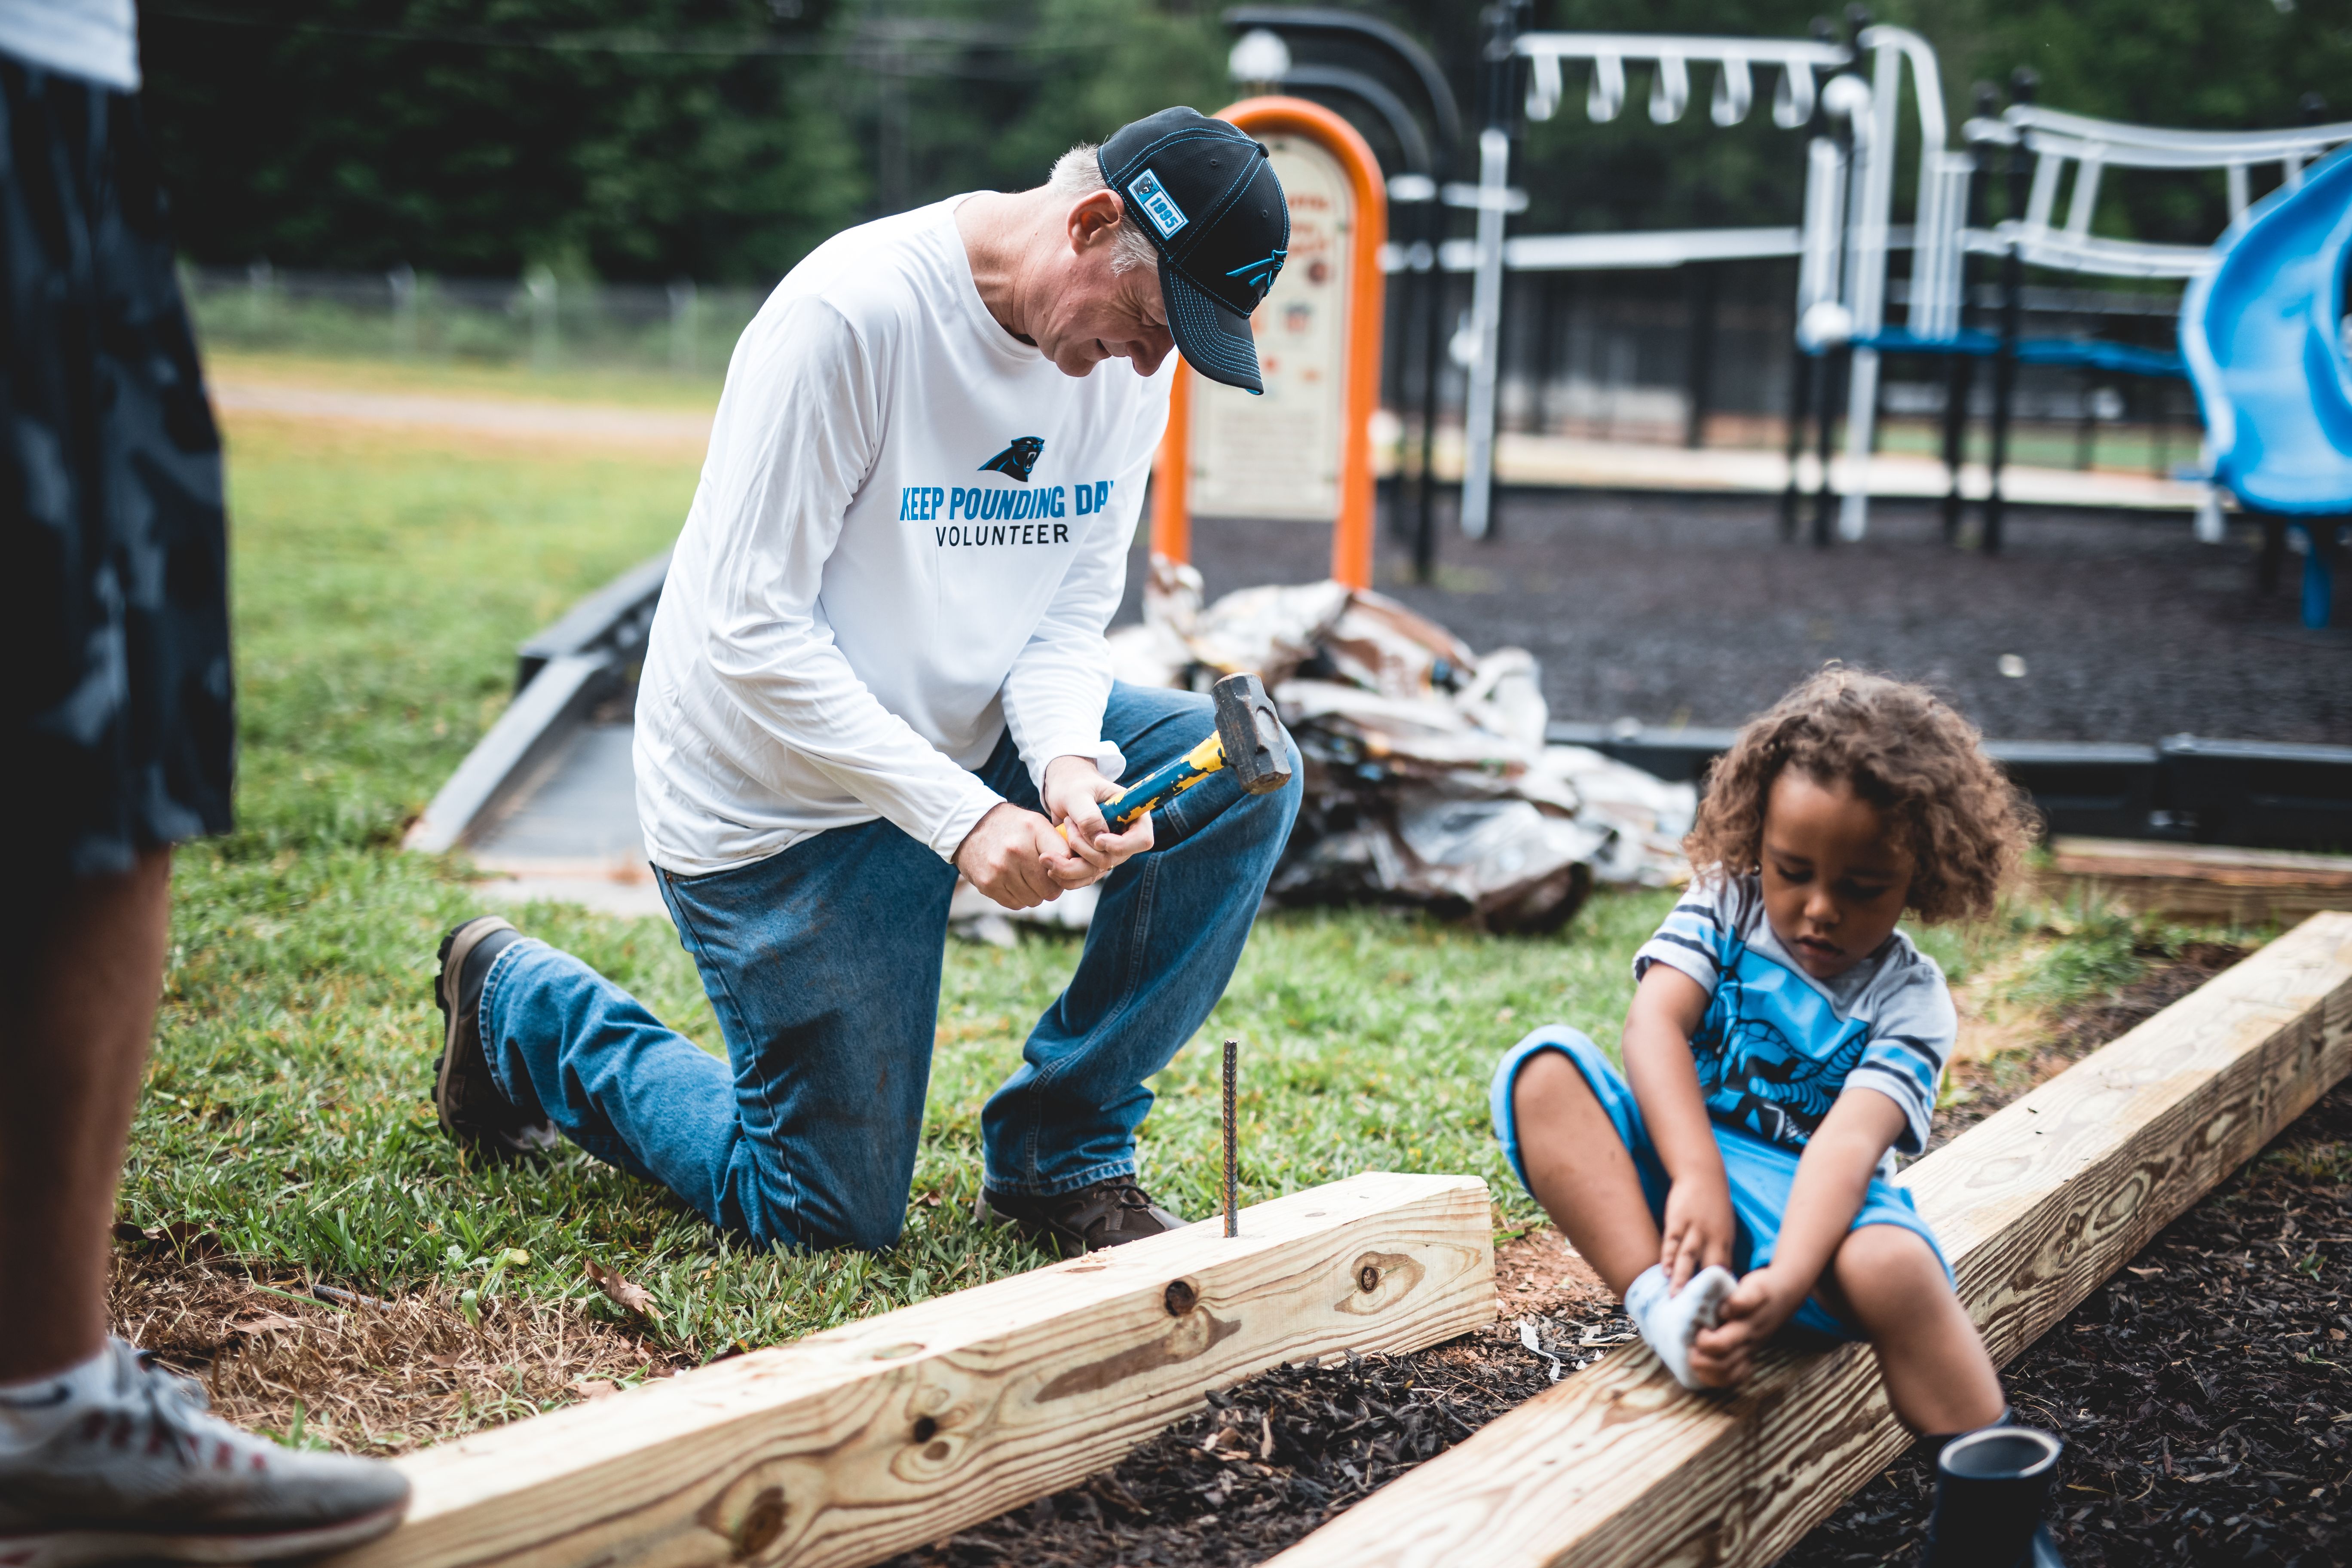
(1751, 1073)
(1775, 1048)
(1016, 460)
(967, 517)
(1754, 1075)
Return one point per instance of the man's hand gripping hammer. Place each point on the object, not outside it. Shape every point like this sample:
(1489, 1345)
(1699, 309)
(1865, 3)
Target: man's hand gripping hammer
(1249, 741)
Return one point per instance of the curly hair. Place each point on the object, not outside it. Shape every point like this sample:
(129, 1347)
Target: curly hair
(1963, 824)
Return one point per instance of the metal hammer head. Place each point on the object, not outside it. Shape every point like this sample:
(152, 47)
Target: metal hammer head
(1256, 750)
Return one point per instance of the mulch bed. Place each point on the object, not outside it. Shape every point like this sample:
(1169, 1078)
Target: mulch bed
(1274, 1457)
(1684, 609)
(2205, 1395)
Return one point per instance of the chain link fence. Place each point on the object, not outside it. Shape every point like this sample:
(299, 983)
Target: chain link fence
(536, 320)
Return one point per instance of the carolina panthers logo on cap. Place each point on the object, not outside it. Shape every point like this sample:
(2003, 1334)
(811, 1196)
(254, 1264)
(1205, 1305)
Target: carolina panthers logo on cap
(1259, 274)
(1016, 460)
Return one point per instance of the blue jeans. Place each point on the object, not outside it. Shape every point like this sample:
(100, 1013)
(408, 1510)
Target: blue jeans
(823, 965)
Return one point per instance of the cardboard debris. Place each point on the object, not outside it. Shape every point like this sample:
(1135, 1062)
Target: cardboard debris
(1428, 779)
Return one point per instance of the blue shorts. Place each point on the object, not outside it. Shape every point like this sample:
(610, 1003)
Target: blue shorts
(1759, 1173)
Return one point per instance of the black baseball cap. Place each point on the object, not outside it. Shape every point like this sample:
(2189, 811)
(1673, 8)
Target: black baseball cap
(1204, 192)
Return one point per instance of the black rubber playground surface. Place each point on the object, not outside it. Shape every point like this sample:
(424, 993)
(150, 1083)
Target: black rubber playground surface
(1676, 609)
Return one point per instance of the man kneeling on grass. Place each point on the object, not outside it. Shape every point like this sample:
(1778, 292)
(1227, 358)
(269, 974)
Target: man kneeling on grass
(1785, 1039)
(879, 661)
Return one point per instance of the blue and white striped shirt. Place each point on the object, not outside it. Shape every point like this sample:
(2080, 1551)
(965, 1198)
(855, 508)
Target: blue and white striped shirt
(1777, 1046)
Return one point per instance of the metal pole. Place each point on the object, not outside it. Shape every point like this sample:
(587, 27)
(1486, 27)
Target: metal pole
(1801, 401)
(1700, 368)
(1959, 384)
(1485, 325)
(1873, 200)
(1233, 1158)
(1834, 364)
(1433, 352)
(1547, 287)
(2022, 84)
(1502, 96)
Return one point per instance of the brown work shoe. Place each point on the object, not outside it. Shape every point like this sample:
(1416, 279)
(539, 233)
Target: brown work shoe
(1108, 1213)
(465, 1096)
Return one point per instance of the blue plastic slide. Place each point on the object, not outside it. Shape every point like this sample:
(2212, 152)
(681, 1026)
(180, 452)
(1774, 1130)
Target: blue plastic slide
(2262, 334)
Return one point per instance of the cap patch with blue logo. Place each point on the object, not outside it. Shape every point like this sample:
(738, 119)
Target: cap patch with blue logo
(1157, 204)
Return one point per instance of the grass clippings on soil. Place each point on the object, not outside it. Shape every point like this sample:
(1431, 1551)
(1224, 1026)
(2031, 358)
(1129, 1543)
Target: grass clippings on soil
(362, 1374)
(2204, 1393)
(2145, 969)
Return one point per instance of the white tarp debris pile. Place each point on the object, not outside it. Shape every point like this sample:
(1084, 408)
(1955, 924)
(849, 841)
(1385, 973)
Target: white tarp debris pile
(1427, 776)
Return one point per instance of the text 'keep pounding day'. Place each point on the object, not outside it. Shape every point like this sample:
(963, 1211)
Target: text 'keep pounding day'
(983, 504)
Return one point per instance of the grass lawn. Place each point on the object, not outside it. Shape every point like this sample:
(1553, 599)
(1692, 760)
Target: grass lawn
(382, 582)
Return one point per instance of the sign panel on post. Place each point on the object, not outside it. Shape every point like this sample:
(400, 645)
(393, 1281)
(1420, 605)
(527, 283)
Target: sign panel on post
(1280, 455)
(1305, 448)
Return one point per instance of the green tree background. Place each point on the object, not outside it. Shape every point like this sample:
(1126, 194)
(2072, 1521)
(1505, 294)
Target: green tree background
(721, 139)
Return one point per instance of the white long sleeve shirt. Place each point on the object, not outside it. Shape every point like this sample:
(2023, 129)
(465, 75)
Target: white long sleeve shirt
(97, 40)
(911, 532)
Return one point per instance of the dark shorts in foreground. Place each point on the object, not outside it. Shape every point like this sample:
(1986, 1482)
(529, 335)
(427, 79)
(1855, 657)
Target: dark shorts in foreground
(118, 724)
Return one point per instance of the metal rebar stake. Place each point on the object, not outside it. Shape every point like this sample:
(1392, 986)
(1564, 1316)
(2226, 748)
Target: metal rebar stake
(1233, 1163)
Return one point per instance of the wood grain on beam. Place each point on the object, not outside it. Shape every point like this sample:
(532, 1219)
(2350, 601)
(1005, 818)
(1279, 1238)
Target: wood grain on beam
(2035, 1207)
(2201, 881)
(846, 1446)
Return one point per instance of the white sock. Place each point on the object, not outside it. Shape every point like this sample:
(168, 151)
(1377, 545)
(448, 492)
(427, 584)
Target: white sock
(31, 1413)
(1669, 1321)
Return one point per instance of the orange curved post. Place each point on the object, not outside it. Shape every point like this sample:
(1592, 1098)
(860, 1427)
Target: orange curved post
(1351, 532)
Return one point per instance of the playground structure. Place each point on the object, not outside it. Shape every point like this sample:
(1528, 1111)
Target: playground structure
(2262, 334)
(2059, 144)
(1847, 235)
(1796, 103)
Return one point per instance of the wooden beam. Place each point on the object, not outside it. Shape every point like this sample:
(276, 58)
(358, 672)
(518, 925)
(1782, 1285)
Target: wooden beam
(2035, 1207)
(2201, 881)
(847, 1447)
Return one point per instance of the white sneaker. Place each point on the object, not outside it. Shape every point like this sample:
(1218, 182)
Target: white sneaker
(135, 1468)
(1670, 1321)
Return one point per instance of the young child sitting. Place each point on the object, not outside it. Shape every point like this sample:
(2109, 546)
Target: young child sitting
(1784, 1040)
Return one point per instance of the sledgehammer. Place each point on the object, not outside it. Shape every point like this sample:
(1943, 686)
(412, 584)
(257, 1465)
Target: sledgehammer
(1248, 741)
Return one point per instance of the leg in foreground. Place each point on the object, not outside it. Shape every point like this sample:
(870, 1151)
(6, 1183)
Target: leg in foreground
(821, 963)
(1992, 1481)
(102, 1457)
(1581, 1172)
(73, 1047)
(1578, 1156)
(1937, 1376)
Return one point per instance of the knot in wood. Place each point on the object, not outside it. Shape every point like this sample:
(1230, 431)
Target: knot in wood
(761, 1524)
(1182, 1298)
(925, 1429)
(1367, 1278)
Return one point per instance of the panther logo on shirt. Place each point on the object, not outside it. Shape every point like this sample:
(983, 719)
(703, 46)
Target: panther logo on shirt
(1756, 1077)
(1017, 460)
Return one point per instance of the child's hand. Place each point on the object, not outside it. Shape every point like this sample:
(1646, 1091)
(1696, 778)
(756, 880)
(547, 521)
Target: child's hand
(1699, 1228)
(1721, 1356)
